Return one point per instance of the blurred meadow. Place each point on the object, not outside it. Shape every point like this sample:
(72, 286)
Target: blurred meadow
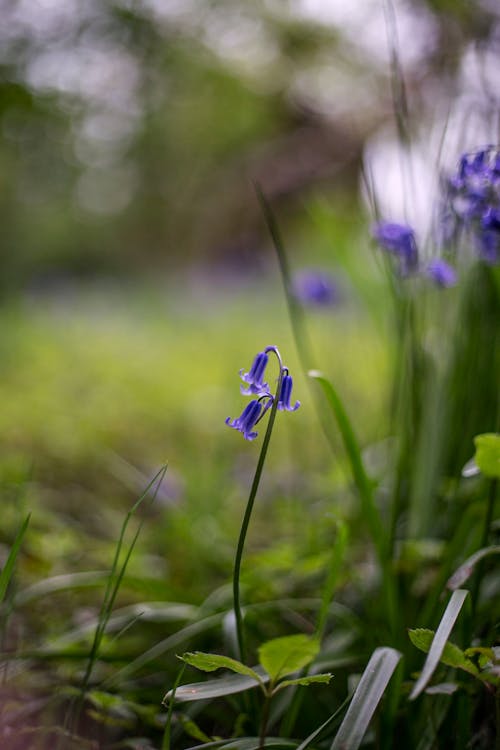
(139, 276)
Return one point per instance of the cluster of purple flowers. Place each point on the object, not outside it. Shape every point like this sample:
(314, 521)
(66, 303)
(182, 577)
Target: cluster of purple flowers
(470, 204)
(255, 386)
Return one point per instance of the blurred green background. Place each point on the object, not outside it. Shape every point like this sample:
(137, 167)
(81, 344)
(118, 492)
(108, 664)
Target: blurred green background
(137, 276)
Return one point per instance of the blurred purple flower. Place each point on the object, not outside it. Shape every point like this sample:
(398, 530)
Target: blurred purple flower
(441, 273)
(489, 236)
(254, 377)
(285, 395)
(246, 422)
(398, 239)
(315, 288)
(473, 197)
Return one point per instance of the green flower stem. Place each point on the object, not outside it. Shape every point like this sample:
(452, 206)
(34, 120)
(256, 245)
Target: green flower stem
(246, 520)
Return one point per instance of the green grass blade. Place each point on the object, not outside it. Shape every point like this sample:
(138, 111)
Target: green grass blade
(323, 727)
(448, 620)
(248, 743)
(353, 451)
(295, 311)
(218, 687)
(334, 567)
(116, 574)
(371, 687)
(365, 491)
(65, 582)
(165, 745)
(10, 563)
(466, 569)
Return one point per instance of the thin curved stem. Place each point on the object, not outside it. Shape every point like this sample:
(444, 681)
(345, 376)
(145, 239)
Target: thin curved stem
(248, 514)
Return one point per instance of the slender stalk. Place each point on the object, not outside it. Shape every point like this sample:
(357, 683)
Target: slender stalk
(264, 720)
(484, 542)
(299, 332)
(168, 724)
(361, 479)
(246, 518)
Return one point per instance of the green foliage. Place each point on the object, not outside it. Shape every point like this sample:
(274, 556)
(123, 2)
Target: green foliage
(487, 456)
(353, 539)
(282, 656)
(452, 655)
(8, 568)
(278, 657)
(439, 641)
(211, 662)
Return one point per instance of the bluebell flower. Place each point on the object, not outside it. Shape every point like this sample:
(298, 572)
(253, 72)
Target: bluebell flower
(441, 273)
(315, 288)
(398, 239)
(285, 395)
(489, 237)
(246, 422)
(254, 378)
(473, 196)
(470, 188)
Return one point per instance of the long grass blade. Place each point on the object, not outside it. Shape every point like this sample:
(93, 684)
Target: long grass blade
(371, 687)
(216, 688)
(248, 743)
(165, 745)
(365, 491)
(10, 563)
(295, 311)
(116, 574)
(466, 569)
(326, 725)
(448, 620)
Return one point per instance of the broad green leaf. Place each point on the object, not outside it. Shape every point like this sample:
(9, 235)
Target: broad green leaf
(467, 568)
(211, 662)
(371, 687)
(198, 691)
(288, 654)
(8, 568)
(439, 641)
(452, 655)
(487, 455)
(304, 680)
